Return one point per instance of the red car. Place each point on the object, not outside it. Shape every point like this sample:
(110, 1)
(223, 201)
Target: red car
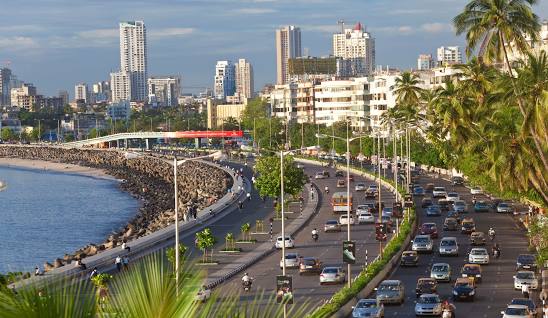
(429, 229)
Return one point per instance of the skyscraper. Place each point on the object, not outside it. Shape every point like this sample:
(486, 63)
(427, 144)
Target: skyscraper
(81, 92)
(5, 77)
(358, 48)
(425, 62)
(288, 45)
(224, 80)
(133, 63)
(164, 91)
(64, 96)
(449, 55)
(244, 79)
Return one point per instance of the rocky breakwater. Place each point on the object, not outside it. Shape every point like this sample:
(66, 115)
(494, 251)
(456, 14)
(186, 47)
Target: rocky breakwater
(149, 179)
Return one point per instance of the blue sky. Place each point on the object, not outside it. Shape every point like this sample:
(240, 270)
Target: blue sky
(57, 43)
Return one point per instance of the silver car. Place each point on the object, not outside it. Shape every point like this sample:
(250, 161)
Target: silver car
(360, 186)
(439, 192)
(525, 277)
(441, 272)
(422, 243)
(368, 308)
(291, 260)
(390, 291)
(365, 217)
(332, 226)
(449, 246)
(428, 305)
(452, 196)
(478, 255)
(505, 207)
(335, 275)
(460, 206)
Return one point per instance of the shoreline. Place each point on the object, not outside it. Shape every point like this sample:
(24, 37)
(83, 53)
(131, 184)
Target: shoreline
(50, 166)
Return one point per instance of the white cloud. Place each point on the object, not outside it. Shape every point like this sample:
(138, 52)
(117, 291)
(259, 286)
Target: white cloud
(403, 29)
(17, 43)
(436, 27)
(23, 28)
(98, 34)
(253, 11)
(170, 32)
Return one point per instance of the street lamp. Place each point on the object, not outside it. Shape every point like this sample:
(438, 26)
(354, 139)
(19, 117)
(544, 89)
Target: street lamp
(348, 140)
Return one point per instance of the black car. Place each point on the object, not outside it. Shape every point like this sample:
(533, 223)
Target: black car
(426, 202)
(339, 173)
(409, 258)
(464, 289)
(456, 180)
(526, 262)
(450, 224)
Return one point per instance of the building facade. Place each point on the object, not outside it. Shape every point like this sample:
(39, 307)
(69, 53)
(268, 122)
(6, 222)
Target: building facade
(164, 91)
(121, 86)
(425, 62)
(218, 113)
(288, 45)
(357, 47)
(81, 92)
(119, 111)
(225, 82)
(133, 61)
(5, 94)
(449, 55)
(64, 95)
(24, 97)
(244, 79)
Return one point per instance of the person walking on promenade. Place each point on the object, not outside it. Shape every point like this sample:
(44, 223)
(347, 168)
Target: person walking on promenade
(37, 271)
(94, 273)
(194, 212)
(125, 262)
(240, 205)
(125, 247)
(248, 195)
(118, 262)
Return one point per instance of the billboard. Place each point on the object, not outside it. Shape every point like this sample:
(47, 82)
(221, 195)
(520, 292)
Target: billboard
(349, 252)
(284, 289)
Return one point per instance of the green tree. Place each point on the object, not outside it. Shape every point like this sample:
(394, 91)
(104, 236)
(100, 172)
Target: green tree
(7, 134)
(229, 242)
(205, 241)
(245, 228)
(170, 254)
(268, 181)
(230, 123)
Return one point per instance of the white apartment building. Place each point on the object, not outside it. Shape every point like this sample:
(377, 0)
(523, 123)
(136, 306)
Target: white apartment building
(81, 92)
(536, 48)
(357, 46)
(133, 59)
(24, 96)
(425, 62)
(121, 86)
(164, 91)
(449, 55)
(288, 45)
(293, 102)
(225, 84)
(244, 79)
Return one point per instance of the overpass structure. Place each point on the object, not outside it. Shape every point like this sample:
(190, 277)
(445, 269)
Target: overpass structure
(123, 139)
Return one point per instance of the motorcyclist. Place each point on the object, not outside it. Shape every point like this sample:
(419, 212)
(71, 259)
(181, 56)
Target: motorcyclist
(491, 233)
(246, 279)
(315, 234)
(496, 250)
(447, 306)
(474, 200)
(326, 189)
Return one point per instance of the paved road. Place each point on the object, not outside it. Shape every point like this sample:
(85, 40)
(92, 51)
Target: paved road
(328, 249)
(496, 290)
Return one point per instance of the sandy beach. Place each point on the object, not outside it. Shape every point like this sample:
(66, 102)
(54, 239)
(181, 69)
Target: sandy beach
(55, 166)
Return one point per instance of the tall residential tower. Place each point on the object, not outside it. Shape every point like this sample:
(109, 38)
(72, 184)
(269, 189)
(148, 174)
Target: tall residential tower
(288, 45)
(357, 47)
(244, 79)
(224, 80)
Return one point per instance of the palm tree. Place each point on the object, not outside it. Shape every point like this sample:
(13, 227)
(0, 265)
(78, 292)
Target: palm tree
(407, 89)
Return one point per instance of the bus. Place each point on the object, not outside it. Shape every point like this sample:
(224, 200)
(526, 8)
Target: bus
(340, 203)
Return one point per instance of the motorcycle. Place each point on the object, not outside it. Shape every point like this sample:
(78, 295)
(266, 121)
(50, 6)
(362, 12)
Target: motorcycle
(447, 313)
(326, 190)
(246, 285)
(496, 253)
(315, 237)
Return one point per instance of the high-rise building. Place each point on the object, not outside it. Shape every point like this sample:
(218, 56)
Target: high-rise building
(64, 96)
(288, 45)
(449, 55)
(244, 79)
(224, 80)
(133, 62)
(425, 62)
(120, 85)
(24, 96)
(5, 77)
(164, 91)
(357, 46)
(81, 92)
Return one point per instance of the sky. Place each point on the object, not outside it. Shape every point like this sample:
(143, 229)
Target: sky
(56, 44)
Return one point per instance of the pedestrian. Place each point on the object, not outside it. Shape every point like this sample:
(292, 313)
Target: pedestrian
(248, 195)
(125, 262)
(118, 262)
(94, 273)
(125, 247)
(37, 271)
(240, 205)
(195, 212)
(525, 290)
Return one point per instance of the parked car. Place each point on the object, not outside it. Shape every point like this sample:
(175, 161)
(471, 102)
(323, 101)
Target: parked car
(292, 260)
(460, 206)
(343, 219)
(426, 202)
(464, 289)
(525, 277)
(526, 262)
(341, 183)
(360, 186)
(390, 291)
(429, 229)
(476, 190)
(334, 275)
(365, 217)
(449, 246)
(457, 180)
(441, 272)
(477, 238)
(478, 255)
(450, 224)
(467, 226)
(433, 210)
(332, 226)
(409, 258)
(472, 271)
(481, 206)
(310, 265)
(289, 243)
(422, 243)
(505, 207)
(517, 311)
(428, 305)
(439, 192)
(426, 286)
(368, 308)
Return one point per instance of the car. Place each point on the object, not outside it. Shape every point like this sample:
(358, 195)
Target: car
(292, 260)
(409, 258)
(455, 215)
(517, 311)
(365, 208)
(481, 206)
(526, 262)
(467, 226)
(289, 243)
(371, 206)
(203, 295)
(452, 197)
(429, 187)
(527, 302)
(460, 206)
(387, 211)
(422, 243)
(477, 238)
(360, 186)
(368, 308)
(341, 183)
(426, 202)
(478, 255)
(418, 191)
(332, 226)
(310, 265)
(385, 219)
(339, 173)
(371, 191)
(457, 180)
(426, 285)
(472, 271)
(365, 217)
(449, 246)
(390, 291)
(433, 210)
(464, 289)
(441, 272)
(300, 166)
(439, 192)
(333, 275)
(428, 305)
(525, 277)
(450, 224)
(429, 229)
(476, 190)
(343, 219)
(319, 175)
(505, 207)
(445, 205)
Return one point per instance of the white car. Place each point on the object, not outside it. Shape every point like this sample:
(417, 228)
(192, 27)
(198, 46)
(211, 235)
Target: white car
(476, 190)
(517, 311)
(289, 243)
(319, 175)
(439, 192)
(203, 295)
(362, 208)
(478, 255)
(525, 277)
(291, 260)
(422, 243)
(335, 275)
(360, 186)
(365, 217)
(452, 197)
(343, 219)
